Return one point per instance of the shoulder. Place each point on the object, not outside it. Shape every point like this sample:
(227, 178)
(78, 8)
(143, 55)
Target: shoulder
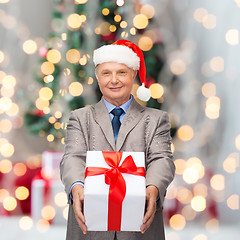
(82, 110)
(153, 112)
(157, 115)
(80, 114)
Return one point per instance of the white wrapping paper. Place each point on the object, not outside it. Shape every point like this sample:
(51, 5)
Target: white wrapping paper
(96, 193)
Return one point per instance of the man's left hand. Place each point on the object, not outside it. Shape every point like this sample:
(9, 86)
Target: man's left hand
(151, 197)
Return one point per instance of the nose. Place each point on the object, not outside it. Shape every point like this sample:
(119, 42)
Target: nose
(114, 78)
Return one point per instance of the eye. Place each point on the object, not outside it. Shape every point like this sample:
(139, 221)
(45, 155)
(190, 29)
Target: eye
(106, 73)
(123, 72)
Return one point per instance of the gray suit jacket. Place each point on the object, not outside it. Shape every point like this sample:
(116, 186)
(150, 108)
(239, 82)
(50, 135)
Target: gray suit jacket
(142, 130)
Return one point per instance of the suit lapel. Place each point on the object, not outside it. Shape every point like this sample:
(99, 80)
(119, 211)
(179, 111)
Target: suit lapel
(132, 117)
(103, 119)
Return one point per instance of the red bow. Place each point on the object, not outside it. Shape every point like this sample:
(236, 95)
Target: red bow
(114, 178)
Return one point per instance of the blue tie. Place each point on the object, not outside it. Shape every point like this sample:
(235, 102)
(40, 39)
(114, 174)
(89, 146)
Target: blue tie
(117, 112)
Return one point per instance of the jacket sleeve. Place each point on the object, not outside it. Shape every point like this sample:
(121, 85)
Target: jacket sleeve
(72, 166)
(160, 169)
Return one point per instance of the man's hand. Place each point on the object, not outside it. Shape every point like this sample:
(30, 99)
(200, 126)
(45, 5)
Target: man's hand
(78, 199)
(151, 197)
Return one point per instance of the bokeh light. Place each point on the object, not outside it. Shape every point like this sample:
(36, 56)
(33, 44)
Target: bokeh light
(199, 14)
(90, 80)
(212, 225)
(185, 133)
(120, 3)
(177, 222)
(200, 237)
(209, 21)
(80, 1)
(140, 21)
(147, 10)
(105, 11)
(10, 203)
(83, 60)
(47, 68)
(30, 47)
(201, 190)
(156, 90)
(178, 67)
(112, 28)
(74, 21)
(50, 138)
(237, 142)
(25, 223)
(61, 199)
(5, 103)
(73, 55)
(184, 195)
(209, 89)
(48, 78)
(41, 104)
(46, 93)
(123, 24)
(233, 202)
(48, 212)
(217, 64)
(196, 163)
(7, 92)
(2, 76)
(58, 114)
(217, 182)
(20, 169)
(117, 18)
(198, 203)
(188, 212)
(76, 88)
(133, 31)
(212, 109)
(52, 119)
(5, 125)
(145, 43)
(53, 56)
(230, 164)
(65, 212)
(22, 193)
(190, 175)
(9, 22)
(232, 37)
(3, 194)
(180, 165)
(9, 81)
(7, 150)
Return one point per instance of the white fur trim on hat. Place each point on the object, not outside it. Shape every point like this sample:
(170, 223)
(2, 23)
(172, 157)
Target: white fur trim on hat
(143, 93)
(116, 53)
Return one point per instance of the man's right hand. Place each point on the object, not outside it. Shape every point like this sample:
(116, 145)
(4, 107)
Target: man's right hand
(78, 199)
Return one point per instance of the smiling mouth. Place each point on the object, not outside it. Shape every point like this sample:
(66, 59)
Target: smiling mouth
(115, 88)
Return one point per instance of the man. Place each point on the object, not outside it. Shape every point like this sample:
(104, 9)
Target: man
(139, 129)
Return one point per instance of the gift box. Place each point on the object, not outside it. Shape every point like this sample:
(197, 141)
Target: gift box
(50, 164)
(114, 191)
(48, 201)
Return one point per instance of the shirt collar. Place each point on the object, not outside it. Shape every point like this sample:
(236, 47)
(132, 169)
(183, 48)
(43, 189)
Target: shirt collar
(124, 107)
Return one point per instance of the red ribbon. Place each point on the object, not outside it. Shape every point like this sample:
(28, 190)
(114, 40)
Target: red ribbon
(114, 178)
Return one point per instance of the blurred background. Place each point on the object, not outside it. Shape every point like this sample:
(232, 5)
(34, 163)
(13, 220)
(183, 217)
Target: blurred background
(191, 49)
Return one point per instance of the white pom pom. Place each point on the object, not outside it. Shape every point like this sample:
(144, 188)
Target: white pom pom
(143, 93)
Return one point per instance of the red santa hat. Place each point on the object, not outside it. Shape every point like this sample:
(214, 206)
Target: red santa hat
(128, 53)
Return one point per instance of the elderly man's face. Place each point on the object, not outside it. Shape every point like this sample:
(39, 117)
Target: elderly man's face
(115, 81)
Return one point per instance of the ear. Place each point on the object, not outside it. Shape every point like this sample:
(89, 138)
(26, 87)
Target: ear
(134, 74)
(96, 73)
